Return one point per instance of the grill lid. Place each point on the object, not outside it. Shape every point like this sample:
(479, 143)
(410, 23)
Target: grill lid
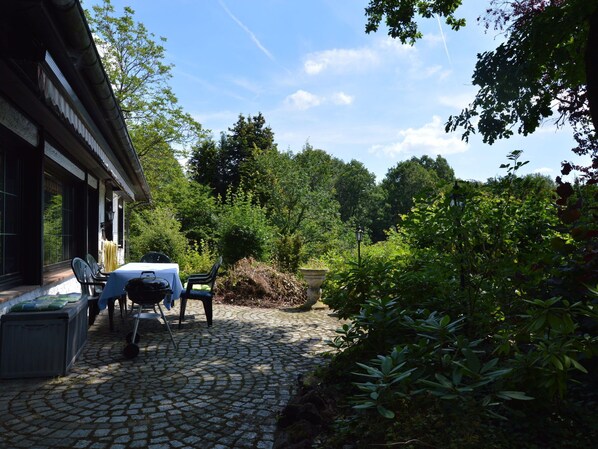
(148, 287)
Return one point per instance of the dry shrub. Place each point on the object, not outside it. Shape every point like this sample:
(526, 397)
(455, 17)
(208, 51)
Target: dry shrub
(256, 284)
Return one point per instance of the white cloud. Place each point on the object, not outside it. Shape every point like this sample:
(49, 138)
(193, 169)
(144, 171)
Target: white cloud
(543, 170)
(339, 59)
(395, 46)
(342, 98)
(433, 39)
(302, 100)
(430, 139)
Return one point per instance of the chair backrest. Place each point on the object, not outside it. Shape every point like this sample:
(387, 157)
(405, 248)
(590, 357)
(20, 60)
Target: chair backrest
(215, 268)
(205, 278)
(84, 276)
(93, 264)
(155, 257)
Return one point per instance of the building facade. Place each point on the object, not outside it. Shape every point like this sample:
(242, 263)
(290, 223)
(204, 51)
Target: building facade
(67, 164)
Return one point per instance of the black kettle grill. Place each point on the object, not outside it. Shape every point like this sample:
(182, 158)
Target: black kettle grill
(146, 291)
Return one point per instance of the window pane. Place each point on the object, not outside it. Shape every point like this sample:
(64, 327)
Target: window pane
(59, 196)
(11, 207)
(12, 176)
(10, 214)
(52, 220)
(11, 262)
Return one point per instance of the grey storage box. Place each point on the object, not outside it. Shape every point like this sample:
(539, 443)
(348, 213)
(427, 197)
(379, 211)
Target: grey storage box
(42, 344)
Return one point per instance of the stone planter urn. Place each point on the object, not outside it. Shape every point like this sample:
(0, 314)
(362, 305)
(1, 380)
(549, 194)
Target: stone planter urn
(314, 277)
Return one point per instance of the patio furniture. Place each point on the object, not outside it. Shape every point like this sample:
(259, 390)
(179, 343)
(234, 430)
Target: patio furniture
(205, 292)
(92, 288)
(155, 257)
(95, 268)
(43, 343)
(101, 276)
(115, 286)
(146, 291)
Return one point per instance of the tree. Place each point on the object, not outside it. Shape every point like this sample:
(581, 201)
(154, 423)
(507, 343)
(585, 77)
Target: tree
(410, 179)
(400, 16)
(229, 164)
(321, 168)
(440, 166)
(353, 188)
(203, 165)
(134, 63)
(548, 57)
(299, 207)
(246, 139)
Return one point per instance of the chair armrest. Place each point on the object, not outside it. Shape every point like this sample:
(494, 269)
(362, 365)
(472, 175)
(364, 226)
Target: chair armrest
(99, 284)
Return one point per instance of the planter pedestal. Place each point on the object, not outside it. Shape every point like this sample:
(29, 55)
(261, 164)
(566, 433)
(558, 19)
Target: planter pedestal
(314, 278)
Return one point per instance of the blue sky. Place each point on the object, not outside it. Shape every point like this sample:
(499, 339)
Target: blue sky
(309, 67)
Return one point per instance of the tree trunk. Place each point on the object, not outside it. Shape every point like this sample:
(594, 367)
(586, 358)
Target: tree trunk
(591, 60)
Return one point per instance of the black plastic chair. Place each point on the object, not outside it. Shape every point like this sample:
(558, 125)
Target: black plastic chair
(205, 296)
(101, 276)
(95, 268)
(91, 287)
(155, 257)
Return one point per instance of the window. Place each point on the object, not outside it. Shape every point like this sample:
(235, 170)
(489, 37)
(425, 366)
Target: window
(11, 175)
(59, 241)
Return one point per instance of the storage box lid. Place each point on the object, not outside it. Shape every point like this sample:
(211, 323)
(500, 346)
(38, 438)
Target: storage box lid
(66, 312)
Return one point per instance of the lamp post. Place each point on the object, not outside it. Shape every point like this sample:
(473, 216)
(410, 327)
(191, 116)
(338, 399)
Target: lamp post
(359, 237)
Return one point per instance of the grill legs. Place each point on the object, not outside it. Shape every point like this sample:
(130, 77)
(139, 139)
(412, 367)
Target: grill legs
(131, 350)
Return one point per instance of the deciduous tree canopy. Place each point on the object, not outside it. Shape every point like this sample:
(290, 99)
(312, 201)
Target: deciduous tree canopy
(546, 66)
(134, 62)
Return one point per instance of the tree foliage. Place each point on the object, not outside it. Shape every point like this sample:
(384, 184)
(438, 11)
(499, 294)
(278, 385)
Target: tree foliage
(410, 179)
(301, 203)
(230, 163)
(354, 188)
(399, 16)
(156, 230)
(471, 303)
(548, 57)
(134, 62)
(243, 229)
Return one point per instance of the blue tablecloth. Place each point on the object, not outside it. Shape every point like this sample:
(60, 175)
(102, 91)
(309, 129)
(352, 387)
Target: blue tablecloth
(115, 287)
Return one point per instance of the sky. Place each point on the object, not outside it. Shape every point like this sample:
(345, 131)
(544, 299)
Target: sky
(315, 75)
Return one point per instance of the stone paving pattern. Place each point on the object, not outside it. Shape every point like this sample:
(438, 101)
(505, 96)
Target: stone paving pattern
(223, 388)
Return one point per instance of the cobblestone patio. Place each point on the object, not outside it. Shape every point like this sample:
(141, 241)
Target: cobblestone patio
(221, 389)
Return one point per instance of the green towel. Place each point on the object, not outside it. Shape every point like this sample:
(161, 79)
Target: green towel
(46, 303)
(68, 297)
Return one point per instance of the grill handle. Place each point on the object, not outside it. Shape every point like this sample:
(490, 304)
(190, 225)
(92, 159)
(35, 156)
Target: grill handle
(148, 274)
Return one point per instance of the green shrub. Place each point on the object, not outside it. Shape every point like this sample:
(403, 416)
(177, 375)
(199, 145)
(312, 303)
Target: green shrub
(347, 290)
(287, 252)
(156, 230)
(197, 259)
(243, 229)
